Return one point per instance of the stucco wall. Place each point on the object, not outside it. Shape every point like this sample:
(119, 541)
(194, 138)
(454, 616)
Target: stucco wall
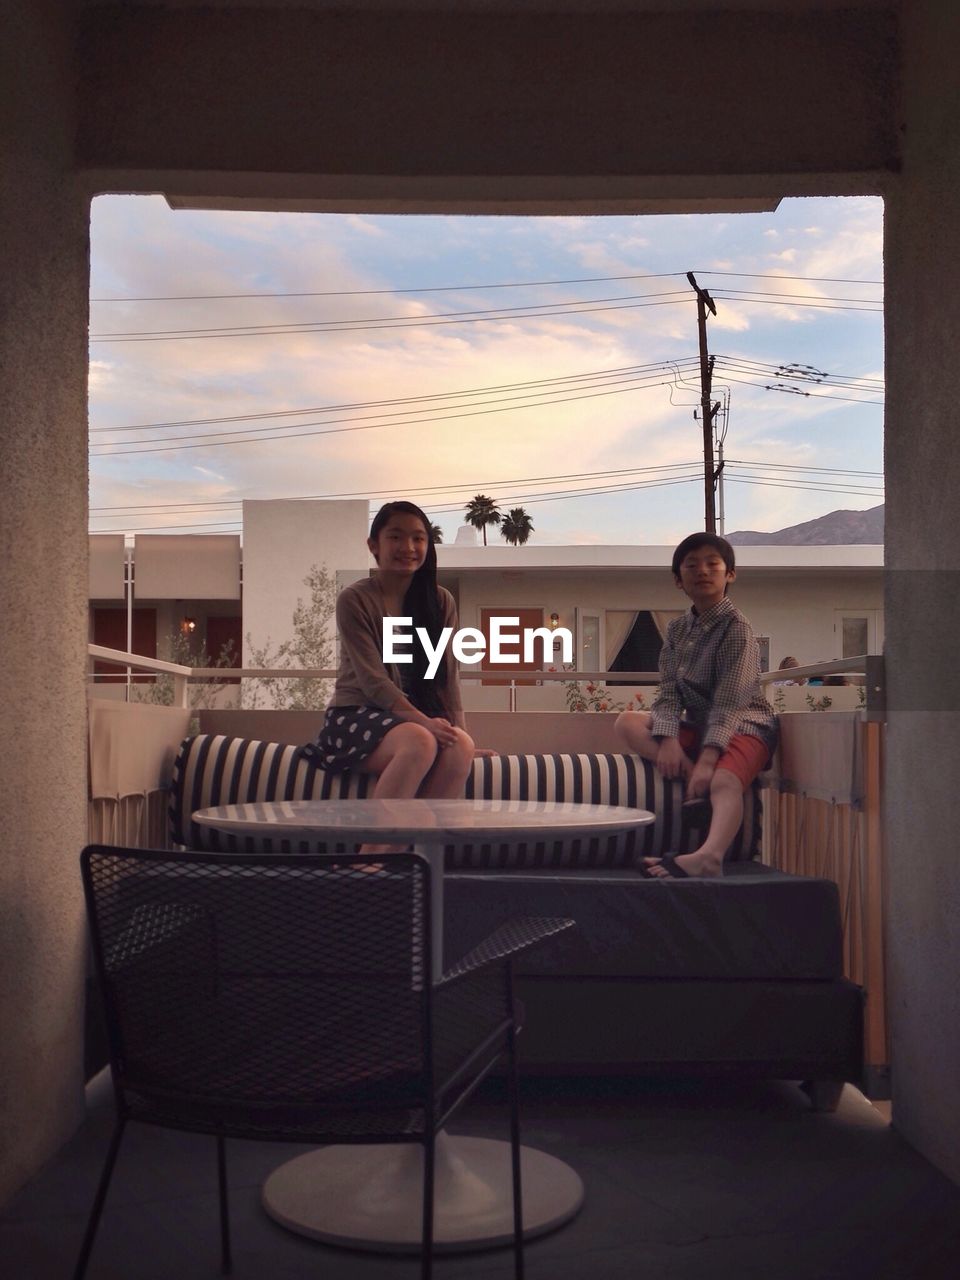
(282, 541)
(795, 609)
(922, 600)
(454, 100)
(43, 590)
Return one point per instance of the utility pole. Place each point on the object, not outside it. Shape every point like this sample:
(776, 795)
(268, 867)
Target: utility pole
(723, 410)
(706, 409)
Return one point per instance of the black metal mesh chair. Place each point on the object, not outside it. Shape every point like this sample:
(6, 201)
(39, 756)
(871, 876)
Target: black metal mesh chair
(289, 998)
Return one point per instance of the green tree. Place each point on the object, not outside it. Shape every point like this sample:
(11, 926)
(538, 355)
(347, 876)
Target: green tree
(436, 533)
(179, 649)
(481, 511)
(516, 526)
(310, 646)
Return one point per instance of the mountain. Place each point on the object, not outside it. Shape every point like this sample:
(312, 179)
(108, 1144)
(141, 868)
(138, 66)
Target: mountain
(837, 528)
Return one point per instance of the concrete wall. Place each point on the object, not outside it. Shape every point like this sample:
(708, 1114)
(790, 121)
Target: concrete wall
(43, 589)
(434, 112)
(282, 541)
(923, 603)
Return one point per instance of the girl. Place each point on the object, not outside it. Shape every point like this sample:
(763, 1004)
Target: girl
(393, 721)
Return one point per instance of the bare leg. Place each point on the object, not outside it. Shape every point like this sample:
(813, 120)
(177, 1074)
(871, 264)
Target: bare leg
(633, 732)
(726, 799)
(401, 761)
(450, 770)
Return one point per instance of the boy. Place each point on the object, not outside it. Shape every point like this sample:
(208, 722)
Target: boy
(710, 724)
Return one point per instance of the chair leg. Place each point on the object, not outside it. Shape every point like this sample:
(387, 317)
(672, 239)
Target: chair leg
(94, 1220)
(226, 1261)
(426, 1236)
(514, 1092)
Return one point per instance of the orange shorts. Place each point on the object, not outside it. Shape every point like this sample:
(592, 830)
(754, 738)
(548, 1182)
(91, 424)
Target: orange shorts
(745, 756)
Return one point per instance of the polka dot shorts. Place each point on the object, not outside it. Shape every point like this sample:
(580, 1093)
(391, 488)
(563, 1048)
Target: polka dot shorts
(349, 735)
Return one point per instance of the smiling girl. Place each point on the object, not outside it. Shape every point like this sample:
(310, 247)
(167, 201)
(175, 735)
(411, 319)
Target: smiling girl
(393, 721)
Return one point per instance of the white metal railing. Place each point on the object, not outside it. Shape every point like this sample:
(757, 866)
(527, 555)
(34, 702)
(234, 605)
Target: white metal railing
(867, 666)
(136, 662)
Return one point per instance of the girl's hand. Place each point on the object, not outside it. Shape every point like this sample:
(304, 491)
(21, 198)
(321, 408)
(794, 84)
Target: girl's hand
(443, 731)
(672, 760)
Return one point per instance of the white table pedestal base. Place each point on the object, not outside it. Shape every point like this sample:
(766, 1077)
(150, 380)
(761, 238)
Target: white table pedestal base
(369, 1197)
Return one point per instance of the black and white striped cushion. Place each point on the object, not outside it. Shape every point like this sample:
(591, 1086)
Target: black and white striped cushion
(213, 770)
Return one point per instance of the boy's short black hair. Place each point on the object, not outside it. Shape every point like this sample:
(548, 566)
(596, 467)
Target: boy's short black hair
(694, 541)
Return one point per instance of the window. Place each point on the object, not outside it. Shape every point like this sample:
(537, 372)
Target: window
(763, 644)
(857, 631)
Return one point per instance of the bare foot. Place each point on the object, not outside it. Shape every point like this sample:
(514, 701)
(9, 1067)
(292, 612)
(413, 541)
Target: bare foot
(698, 865)
(374, 867)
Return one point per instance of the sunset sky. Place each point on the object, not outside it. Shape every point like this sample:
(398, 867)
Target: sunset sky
(524, 358)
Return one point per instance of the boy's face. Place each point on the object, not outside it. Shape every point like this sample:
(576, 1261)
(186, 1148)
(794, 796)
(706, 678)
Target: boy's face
(704, 577)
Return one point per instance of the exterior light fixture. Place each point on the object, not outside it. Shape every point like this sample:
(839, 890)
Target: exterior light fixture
(188, 626)
(554, 621)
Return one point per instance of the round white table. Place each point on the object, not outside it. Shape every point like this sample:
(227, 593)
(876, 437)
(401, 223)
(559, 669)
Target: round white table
(368, 1197)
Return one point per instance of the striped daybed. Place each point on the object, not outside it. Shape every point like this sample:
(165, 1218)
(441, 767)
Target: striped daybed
(740, 975)
(212, 769)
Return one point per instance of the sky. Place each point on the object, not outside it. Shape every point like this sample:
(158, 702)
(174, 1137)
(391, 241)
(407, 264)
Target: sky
(549, 363)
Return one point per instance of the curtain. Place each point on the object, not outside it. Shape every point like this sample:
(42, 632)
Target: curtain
(619, 624)
(662, 619)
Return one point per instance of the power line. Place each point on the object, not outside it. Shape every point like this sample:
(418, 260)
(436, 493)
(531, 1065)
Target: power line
(750, 294)
(463, 288)
(460, 485)
(463, 486)
(800, 373)
(433, 320)
(820, 306)
(812, 395)
(373, 426)
(561, 495)
(430, 315)
(373, 404)
(593, 491)
(808, 488)
(796, 466)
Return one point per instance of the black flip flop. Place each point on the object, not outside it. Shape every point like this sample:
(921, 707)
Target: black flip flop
(694, 811)
(671, 866)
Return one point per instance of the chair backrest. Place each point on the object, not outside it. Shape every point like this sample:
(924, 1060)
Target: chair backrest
(253, 993)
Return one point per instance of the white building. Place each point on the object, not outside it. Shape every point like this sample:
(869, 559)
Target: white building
(816, 603)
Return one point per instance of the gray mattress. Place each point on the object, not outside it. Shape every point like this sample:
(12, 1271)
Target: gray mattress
(754, 923)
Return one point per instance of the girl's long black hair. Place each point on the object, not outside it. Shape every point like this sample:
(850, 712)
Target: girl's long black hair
(422, 604)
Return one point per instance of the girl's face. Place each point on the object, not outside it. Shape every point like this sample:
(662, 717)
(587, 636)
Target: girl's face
(401, 545)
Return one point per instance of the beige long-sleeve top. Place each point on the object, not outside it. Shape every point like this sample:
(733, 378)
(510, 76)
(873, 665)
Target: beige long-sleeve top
(363, 678)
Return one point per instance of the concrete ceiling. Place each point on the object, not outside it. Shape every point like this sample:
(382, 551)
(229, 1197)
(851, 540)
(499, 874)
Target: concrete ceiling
(509, 6)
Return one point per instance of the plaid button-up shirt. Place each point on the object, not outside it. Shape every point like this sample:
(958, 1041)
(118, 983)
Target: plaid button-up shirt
(709, 678)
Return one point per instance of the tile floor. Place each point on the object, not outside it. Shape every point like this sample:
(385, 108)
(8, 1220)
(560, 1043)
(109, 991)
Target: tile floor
(687, 1180)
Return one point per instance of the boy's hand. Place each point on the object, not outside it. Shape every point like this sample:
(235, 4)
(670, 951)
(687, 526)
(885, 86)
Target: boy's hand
(672, 760)
(702, 773)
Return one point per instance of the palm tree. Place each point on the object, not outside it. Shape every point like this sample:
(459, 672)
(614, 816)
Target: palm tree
(482, 511)
(436, 533)
(516, 526)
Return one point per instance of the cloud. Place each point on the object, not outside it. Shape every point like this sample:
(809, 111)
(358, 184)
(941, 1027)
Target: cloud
(466, 436)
